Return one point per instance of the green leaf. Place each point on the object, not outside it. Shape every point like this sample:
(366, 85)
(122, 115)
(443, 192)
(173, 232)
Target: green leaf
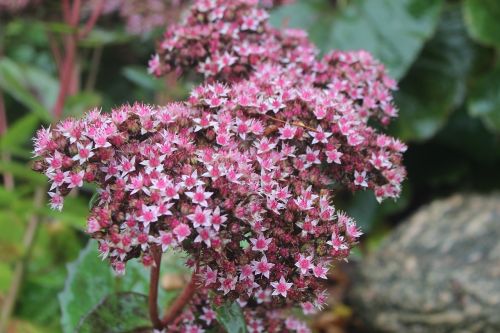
(484, 99)
(80, 103)
(311, 15)
(74, 213)
(23, 171)
(90, 281)
(19, 134)
(482, 18)
(140, 76)
(117, 313)
(393, 31)
(231, 318)
(101, 37)
(436, 83)
(29, 85)
(5, 277)
(93, 200)
(363, 209)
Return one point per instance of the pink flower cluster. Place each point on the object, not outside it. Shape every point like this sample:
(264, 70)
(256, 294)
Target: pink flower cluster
(15, 6)
(242, 175)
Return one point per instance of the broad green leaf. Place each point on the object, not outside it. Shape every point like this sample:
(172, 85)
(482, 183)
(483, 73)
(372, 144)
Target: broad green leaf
(93, 200)
(363, 209)
(101, 37)
(91, 280)
(482, 18)
(393, 31)
(117, 313)
(436, 83)
(19, 134)
(5, 277)
(74, 213)
(80, 103)
(231, 318)
(22, 171)
(11, 236)
(484, 99)
(59, 27)
(314, 16)
(29, 85)
(140, 76)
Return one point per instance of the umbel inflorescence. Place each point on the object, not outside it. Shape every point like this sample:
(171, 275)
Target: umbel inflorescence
(242, 175)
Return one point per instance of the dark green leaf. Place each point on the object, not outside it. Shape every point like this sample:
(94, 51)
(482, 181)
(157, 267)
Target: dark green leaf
(18, 136)
(140, 76)
(29, 85)
(393, 31)
(436, 84)
(93, 200)
(363, 209)
(231, 318)
(482, 18)
(484, 100)
(311, 15)
(101, 37)
(22, 171)
(80, 103)
(117, 313)
(90, 280)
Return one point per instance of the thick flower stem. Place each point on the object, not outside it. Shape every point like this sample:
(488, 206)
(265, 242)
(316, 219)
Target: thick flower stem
(153, 288)
(187, 293)
(176, 308)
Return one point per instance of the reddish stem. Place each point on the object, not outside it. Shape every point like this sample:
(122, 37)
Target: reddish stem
(96, 12)
(176, 308)
(65, 75)
(180, 302)
(153, 288)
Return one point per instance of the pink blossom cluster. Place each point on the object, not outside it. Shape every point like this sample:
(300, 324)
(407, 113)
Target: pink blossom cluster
(277, 73)
(143, 16)
(242, 175)
(14, 6)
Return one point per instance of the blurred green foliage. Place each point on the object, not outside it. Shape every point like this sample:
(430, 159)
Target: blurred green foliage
(445, 55)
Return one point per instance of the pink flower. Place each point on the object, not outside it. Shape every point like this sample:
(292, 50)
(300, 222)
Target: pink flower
(166, 240)
(182, 231)
(287, 132)
(319, 136)
(227, 284)
(262, 267)
(304, 264)
(149, 215)
(333, 156)
(210, 276)
(261, 243)
(217, 219)
(281, 287)
(204, 235)
(75, 179)
(200, 217)
(208, 315)
(200, 196)
(360, 179)
(320, 271)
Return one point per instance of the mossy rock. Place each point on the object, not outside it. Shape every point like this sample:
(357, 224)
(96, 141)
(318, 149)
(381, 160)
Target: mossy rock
(439, 272)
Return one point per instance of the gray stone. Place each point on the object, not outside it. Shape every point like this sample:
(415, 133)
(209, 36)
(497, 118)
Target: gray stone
(439, 272)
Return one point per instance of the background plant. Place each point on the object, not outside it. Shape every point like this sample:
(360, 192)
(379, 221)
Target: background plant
(448, 97)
